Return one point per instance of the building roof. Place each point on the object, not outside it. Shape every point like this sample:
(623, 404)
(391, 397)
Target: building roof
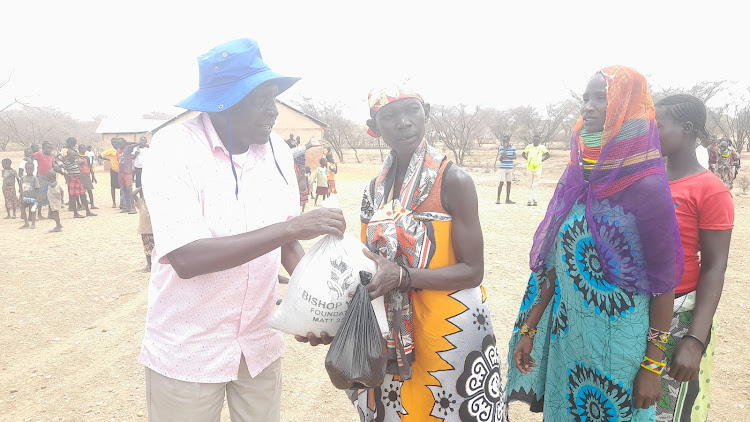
(181, 116)
(128, 125)
(324, 124)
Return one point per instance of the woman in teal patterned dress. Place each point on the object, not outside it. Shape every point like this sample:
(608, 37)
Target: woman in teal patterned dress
(604, 265)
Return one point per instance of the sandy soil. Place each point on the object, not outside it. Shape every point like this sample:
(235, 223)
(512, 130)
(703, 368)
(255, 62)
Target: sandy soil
(72, 309)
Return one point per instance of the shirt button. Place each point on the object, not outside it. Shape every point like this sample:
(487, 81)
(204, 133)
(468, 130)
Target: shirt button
(221, 106)
(216, 67)
(224, 54)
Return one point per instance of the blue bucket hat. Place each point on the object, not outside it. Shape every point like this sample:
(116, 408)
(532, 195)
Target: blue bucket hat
(228, 73)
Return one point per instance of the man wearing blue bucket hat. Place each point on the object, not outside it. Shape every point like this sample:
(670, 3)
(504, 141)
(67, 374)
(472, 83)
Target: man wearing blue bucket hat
(223, 199)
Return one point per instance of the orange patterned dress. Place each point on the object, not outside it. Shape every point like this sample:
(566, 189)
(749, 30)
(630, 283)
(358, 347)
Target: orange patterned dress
(455, 367)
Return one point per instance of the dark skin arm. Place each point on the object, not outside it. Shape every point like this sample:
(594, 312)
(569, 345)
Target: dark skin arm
(91, 166)
(211, 255)
(291, 253)
(546, 156)
(468, 245)
(647, 384)
(714, 246)
(522, 354)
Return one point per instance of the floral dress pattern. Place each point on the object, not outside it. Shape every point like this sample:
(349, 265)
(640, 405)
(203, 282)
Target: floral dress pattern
(592, 336)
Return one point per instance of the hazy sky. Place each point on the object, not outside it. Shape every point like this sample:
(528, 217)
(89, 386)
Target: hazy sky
(127, 58)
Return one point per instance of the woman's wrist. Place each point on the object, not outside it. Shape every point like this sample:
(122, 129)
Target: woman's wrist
(695, 338)
(528, 331)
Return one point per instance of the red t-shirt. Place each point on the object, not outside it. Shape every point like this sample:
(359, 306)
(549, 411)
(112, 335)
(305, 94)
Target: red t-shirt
(125, 157)
(701, 202)
(45, 163)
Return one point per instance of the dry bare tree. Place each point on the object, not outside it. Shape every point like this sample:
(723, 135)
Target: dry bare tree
(34, 125)
(561, 118)
(458, 127)
(502, 123)
(732, 119)
(340, 129)
(705, 90)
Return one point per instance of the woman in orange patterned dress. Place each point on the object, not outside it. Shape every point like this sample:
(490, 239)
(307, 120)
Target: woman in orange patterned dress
(420, 223)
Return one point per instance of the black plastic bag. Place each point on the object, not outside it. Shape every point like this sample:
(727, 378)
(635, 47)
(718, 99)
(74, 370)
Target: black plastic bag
(358, 354)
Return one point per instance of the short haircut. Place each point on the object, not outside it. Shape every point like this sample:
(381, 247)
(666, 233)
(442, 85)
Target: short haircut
(70, 142)
(687, 108)
(6, 161)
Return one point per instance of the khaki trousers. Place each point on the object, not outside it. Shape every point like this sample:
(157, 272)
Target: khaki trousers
(534, 177)
(249, 399)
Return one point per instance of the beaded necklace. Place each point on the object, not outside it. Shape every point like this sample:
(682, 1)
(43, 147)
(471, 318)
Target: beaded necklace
(591, 147)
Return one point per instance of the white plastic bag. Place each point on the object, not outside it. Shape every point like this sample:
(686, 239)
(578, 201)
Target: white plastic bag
(317, 296)
(331, 202)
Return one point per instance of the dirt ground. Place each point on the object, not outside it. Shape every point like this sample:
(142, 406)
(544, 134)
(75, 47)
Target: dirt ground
(73, 304)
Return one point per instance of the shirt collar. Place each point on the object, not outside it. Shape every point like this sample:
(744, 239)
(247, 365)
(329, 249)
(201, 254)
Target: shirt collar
(213, 138)
(255, 153)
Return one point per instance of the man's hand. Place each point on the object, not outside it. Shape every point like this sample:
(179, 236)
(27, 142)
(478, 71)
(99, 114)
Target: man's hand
(313, 144)
(318, 222)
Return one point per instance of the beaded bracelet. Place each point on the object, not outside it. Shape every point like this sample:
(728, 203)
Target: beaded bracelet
(652, 365)
(658, 345)
(657, 335)
(528, 332)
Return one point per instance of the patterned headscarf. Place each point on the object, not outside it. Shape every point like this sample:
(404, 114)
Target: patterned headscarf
(380, 97)
(628, 177)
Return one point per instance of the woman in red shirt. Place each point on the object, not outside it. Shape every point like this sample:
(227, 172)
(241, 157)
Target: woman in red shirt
(705, 215)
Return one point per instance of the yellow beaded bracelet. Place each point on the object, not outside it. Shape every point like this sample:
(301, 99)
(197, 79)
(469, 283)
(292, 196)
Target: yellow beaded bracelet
(652, 365)
(528, 332)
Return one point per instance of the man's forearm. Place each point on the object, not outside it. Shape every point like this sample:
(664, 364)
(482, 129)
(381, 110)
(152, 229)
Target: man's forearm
(205, 256)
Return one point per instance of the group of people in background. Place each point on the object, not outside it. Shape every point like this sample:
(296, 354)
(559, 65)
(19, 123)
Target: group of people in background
(324, 179)
(534, 154)
(126, 166)
(36, 179)
(33, 185)
(719, 156)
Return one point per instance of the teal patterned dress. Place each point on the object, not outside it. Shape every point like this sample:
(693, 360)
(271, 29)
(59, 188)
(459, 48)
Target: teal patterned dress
(592, 336)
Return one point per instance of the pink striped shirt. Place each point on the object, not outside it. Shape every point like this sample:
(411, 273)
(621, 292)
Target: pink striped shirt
(197, 329)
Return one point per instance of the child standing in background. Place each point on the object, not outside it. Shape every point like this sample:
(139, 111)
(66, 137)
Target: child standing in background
(321, 178)
(76, 191)
(144, 226)
(55, 198)
(10, 177)
(332, 170)
(303, 181)
(88, 178)
(30, 189)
